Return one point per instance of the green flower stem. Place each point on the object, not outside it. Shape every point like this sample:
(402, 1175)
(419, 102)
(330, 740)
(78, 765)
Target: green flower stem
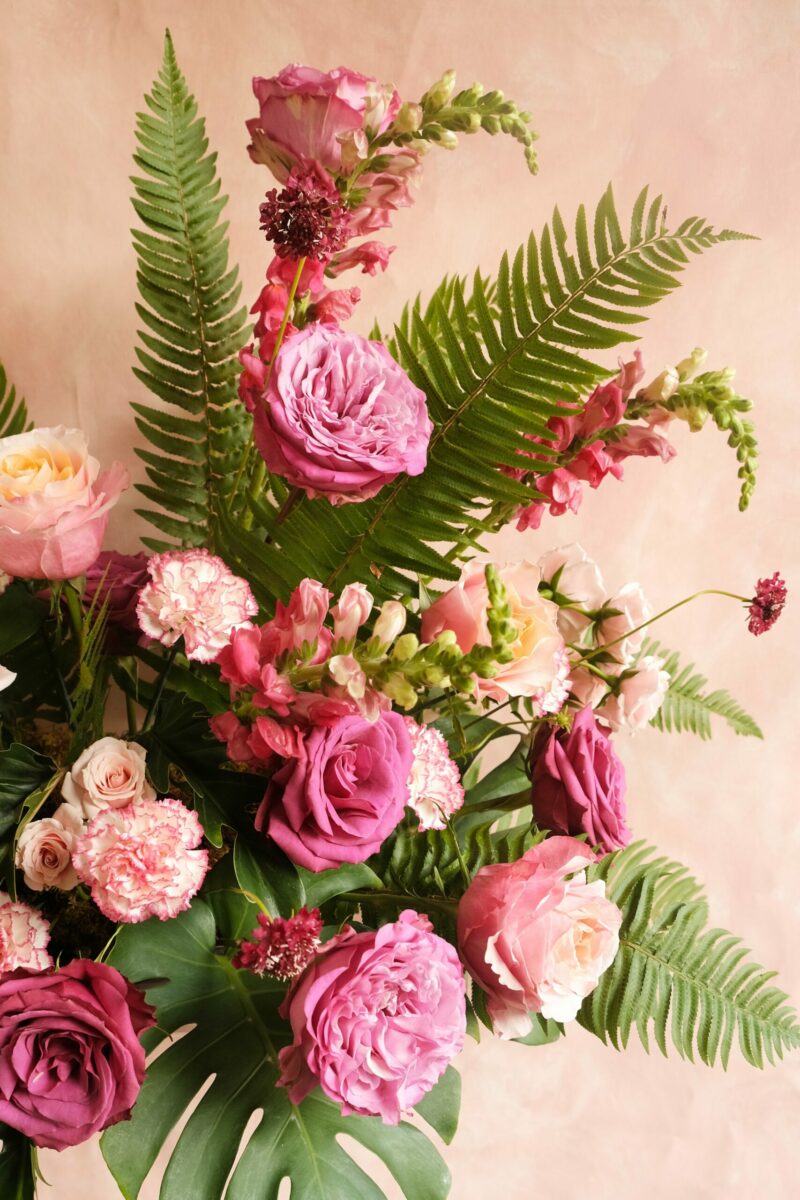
(502, 804)
(705, 592)
(403, 899)
(152, 711)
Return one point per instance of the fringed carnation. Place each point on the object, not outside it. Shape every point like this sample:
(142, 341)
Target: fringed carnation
(435, 791)
(307, 219)
(24, 937)
(767, 604)
(281, 947)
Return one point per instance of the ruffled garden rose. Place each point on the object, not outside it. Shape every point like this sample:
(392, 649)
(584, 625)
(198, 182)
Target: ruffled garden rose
(71, 1062)
(54, 503)
(579, 785)
(108, 774)
(342, 795)
(576, 580)
(535, 936)
(377, 1017)
(340, 418)
(24, 938)
(193, 594)
(142, 861)
(638, 697)
(44, 850)
(540, 667)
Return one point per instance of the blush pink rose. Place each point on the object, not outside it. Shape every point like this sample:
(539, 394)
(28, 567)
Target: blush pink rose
(638, 697)
(579, 785)
(108, 774)
(617, 632)
(71, 1062)
(340, 417)
(377, 1017)
(24, 938)
(577, 584)
(142, 861)
(342, 795)
(539, 669)
(44, 850)
(54, 503)
(535, 936)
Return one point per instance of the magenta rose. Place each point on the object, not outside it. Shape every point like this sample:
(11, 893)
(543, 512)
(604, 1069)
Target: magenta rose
(340, 418)
(343, 794)
(579, 785)
(71, 1062)
(116, 579)
(376, 1017)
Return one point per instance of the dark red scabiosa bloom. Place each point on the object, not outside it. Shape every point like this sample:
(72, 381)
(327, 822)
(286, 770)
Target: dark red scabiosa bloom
(767, 604)
(307, 219)
(281, 947)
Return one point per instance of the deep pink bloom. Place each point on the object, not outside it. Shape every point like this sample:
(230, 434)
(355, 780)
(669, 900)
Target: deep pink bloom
(340, 417)
(641, 441)
(71, 1062)
(307, 219)
(563, 490)
(593, 463)
(767, 604)
(342, 795)
(312, 277)
(376, 1017)
(269, 738)
(338, 305)
(115, 580)
(579, 785)
(227, 728)
(281, 947)
(604, 409)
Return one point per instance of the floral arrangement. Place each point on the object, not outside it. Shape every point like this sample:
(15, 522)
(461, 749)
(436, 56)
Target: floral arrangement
(366, 794)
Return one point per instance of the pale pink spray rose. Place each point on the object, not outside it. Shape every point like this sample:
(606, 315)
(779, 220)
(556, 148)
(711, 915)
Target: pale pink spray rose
(24, 937)
(435, 790)
(377, 1017)
(639, 696)
(6, 677)
(351, 611)
(108, 774)
(575, 578)
(142, 861)
(44, 850)
(539, 669)
(54, 503)
(193, 594)
(535, 936)
(340, 418)
(616, 632)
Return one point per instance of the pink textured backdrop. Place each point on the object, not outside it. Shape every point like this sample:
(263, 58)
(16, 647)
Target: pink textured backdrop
(697, 98)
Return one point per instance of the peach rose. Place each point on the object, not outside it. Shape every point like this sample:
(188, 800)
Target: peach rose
(109, 774)
(54, 503)
(44, 850)
(540, 667)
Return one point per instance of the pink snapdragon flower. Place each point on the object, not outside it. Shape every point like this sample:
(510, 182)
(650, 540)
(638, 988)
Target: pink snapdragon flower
(192, 594)
(24, 937)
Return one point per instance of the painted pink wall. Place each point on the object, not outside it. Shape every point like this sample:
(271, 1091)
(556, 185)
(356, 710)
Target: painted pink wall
(697, 98)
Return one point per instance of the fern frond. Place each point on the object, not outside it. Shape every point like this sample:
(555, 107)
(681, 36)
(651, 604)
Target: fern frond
(672, 975)
(192, 328)
(687, 707)
(13, 410)
(495, 363)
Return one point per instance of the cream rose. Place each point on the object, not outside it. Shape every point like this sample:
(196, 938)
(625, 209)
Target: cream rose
(44, 850)
(109, 774)
(54, 503)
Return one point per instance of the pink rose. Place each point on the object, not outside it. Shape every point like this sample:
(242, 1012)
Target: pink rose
(577, 583)
(44, 850)
(616, 632)
(540, 667)
(71, 1062)
(342, 795)
(108, 774)
(376, 1017)
(535, 936)
(142, 861)
(305, 114)
(579, 785)
(351, 611)
(24, 938)
(115, 580)
(638, 697)
(54, 503)
(340, 417)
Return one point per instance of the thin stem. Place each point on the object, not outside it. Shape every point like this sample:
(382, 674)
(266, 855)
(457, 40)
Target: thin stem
(62, 683)
(401, 898)
(628, 633)
(106, 949)
(152, 710)
(462, 865)
(130, 710)
(503, 804)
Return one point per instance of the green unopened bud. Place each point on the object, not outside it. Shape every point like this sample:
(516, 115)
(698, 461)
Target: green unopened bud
(437, 96)
(662, 388)
(446, 638)
(399, 691)
(694, 415)
(405, 647)
(447, 139)
(688, 367)
(491, 124)
(409, 118)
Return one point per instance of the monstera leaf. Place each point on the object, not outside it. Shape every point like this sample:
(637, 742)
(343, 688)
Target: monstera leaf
(229, 1059)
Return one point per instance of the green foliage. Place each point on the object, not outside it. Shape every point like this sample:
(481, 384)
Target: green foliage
(21, 616)
(470, 110)
(24, 776)
(233, 1043)
(17, 1166)
(192, 329)
(492, 373)
(672, 973)
(13, 411)
(687, 707)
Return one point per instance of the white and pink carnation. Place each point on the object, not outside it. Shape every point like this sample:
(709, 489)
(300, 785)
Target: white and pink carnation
(24, 937)
(193, 594)
(435, 790)
(44, 850)
(108, 774)
(142, 861)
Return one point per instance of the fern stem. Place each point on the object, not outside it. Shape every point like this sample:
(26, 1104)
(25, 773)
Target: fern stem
(629, 632)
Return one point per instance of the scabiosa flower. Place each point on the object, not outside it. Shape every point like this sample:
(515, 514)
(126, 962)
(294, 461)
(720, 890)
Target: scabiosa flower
(434, 785)
(281, 947)
(142, 861)
(767, 604)
(192, 594)
(24, 936)
(307, 219)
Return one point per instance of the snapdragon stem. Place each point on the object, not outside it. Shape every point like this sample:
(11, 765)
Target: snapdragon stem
(629, 632)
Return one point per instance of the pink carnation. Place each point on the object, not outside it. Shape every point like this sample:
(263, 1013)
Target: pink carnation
(435, 791)
(142, 861)
(24, 937)
(192, 594)
(376, 1017)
